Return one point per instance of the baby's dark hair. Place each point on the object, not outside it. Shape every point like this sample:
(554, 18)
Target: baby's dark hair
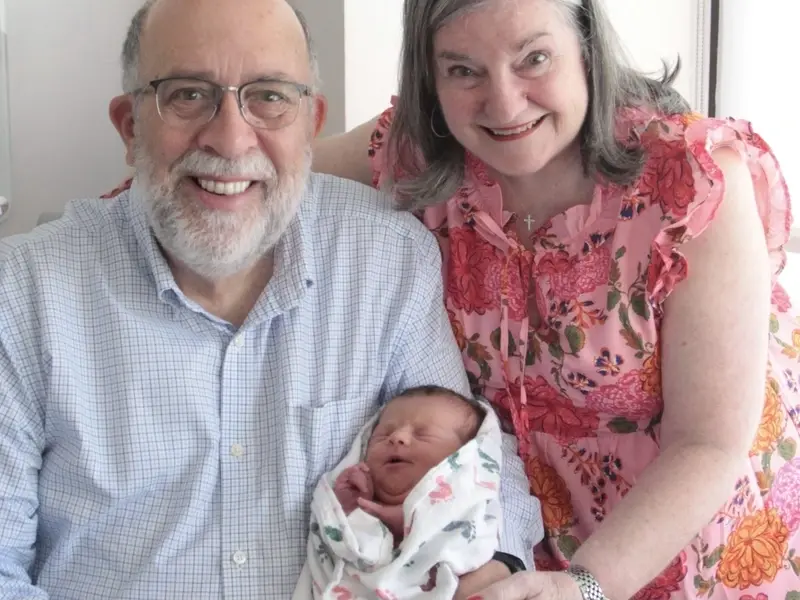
(437, 390)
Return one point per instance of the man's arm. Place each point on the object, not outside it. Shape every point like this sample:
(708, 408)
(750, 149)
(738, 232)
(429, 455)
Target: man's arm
(523, 527)
(428, 354)
(21, 432)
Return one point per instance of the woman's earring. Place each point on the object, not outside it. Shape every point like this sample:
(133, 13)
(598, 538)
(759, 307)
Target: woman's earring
(433, 126)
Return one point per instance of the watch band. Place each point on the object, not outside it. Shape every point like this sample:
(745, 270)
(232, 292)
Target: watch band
(590, 588)
(514, 564)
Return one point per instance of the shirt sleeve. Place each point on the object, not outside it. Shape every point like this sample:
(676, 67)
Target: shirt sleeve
(21, 432)
(426, 352)
(523, 527)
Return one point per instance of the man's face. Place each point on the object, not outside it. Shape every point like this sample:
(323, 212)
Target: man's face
(220, 193)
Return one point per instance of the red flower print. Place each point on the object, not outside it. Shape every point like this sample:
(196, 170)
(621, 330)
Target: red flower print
(668, 177)
(516, 294)
(758, 597)
(458, 330)
(476, 166)
(663, 277)
(780, 299)
(669, 581)
(549, 411)
(785, 495)
(626, 398)
(554, 263)
(569, 279)
(471, 257)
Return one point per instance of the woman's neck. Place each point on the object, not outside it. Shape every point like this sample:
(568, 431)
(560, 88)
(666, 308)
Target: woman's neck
(557, 187)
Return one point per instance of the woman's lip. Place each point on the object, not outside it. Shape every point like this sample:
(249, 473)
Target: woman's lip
(510, 137)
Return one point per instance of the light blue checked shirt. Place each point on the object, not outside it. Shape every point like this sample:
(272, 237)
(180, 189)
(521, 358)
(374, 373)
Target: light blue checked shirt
(150, 450)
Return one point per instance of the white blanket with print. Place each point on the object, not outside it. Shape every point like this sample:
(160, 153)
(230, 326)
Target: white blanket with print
(452, 518)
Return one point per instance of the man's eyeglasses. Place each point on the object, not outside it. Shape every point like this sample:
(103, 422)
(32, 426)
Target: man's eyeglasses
(264, 104)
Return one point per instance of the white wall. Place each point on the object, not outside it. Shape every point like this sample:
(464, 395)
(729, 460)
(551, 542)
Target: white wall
(677, 32)
(755, 47)
(326, 21)
(63, 70)
(5, 146)
(372, 51)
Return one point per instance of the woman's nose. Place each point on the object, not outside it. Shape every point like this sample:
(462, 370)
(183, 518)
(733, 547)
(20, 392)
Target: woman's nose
(506, 98)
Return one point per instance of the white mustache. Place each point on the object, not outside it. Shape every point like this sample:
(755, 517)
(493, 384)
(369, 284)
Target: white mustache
(256, 166)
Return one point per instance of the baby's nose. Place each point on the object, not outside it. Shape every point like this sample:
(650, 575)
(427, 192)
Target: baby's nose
(401, 436)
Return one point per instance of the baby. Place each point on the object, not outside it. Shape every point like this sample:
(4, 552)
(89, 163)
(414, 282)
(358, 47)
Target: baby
(412, 506)
(416, 431)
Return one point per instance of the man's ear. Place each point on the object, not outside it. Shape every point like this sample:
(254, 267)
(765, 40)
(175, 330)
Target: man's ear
(121, 112)
(320, 113)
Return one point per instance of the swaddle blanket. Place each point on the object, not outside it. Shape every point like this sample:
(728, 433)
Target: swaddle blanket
(452, 526)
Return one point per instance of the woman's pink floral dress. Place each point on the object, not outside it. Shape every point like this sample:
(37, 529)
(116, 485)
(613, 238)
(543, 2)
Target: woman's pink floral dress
(583, 391)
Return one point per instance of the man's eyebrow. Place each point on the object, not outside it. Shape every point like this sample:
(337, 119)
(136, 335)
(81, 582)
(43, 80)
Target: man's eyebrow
(209, 76)
(457, 56)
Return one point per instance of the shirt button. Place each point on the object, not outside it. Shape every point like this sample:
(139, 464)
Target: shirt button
(237, 450)
(238, 341)
(239, 558)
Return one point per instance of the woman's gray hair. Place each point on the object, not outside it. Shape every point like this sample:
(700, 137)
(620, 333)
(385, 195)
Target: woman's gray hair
(131, 49)
(418, 125)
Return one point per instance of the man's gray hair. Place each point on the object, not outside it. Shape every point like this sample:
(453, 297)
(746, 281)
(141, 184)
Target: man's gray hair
(131, 49)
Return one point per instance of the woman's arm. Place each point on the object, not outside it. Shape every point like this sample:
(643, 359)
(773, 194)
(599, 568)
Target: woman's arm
(346, 154)
(714, 361)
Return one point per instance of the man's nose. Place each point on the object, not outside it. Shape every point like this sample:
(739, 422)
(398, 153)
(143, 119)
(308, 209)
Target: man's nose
(228, 135)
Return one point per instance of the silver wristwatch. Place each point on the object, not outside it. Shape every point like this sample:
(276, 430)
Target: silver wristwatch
(590, 588)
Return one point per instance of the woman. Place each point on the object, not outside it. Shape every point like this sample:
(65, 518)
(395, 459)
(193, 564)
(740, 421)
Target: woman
(611, 265)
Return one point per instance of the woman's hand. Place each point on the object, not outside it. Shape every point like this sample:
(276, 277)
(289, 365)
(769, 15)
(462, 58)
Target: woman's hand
(530, 585)
(480, 579)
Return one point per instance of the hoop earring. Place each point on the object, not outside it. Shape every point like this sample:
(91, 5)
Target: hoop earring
(433, 126)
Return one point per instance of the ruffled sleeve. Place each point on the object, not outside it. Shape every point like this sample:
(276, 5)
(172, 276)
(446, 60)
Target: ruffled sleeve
(681, 176)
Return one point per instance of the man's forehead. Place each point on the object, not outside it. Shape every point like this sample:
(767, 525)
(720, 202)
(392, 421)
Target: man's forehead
(255, 40)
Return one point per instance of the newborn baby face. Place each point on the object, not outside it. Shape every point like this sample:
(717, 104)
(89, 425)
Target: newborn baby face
(414, 434)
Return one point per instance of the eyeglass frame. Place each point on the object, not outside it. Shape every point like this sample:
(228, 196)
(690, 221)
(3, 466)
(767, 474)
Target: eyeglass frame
(305, 91)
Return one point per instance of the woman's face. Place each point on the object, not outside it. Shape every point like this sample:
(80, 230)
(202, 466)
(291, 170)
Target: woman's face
(512, 83)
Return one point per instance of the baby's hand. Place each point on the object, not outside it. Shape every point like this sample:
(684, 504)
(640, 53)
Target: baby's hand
(391, 515)
(353, 483)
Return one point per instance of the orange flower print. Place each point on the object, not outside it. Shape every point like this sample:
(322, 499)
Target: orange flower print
(755, 550)
(651, 375)
(690, 117)
(793, 351)
(551, 490)
(772, 421)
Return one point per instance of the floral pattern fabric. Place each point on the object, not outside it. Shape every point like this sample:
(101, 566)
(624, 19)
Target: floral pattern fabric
(582, 390)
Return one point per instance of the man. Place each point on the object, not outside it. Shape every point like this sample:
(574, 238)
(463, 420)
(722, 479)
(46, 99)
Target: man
(180, 364)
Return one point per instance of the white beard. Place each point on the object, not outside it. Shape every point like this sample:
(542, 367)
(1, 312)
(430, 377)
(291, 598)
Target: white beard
(216, 244)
